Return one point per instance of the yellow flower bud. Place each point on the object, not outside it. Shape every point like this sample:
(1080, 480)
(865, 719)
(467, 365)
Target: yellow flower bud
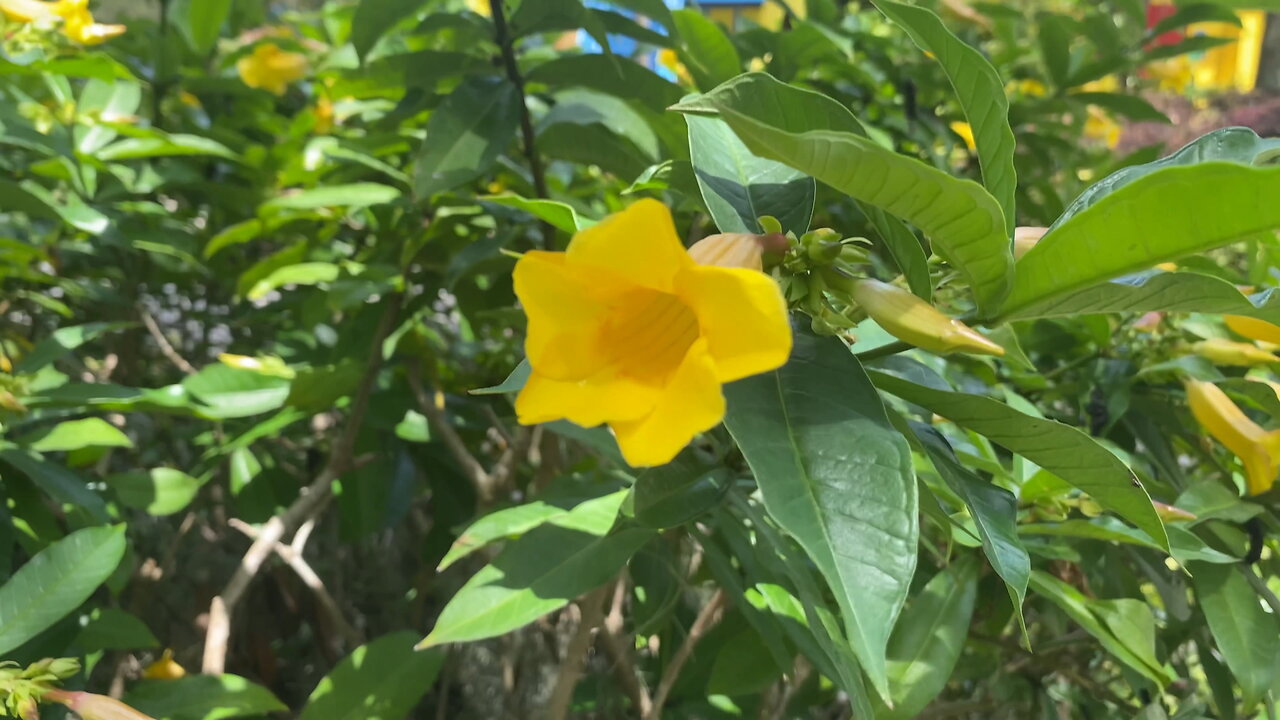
(95, 707)
(741, 250)
(913, 320)
(1258, 449)
(1025, 238)
(1221, 351)
(1253, 328)
(166, 668)
(1169, 513)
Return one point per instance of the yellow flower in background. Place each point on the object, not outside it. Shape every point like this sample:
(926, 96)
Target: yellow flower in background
(1253, 328)
(1258, 449)
(626, 329)
(480, 7)
(166, 668)
(965, 131)
(27, 11)
(1172, 75)
(324, 115)
(1110, 83)
(1221, 351)
(1099, 126)
(77, 22)
(908, 318)
(670, 60)
(271, 68)
(1029, 87)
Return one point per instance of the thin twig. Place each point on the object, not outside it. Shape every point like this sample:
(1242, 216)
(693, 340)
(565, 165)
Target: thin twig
(292, 555)
(507, 44)
(707, 618)
(619, 649)
(591, 614)
(892, 348)
(308, 505)
(799, 676)
(166, 348)
(471, 467)
(1261, 588)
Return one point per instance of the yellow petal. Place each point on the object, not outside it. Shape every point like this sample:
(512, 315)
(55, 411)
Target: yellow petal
(1258, 449)
(605, 397)
(742, 317)
(1221, 351)
(1253, 328)
(566, 307)
(965, 131)
(28, 10)
(690, 404)
(639, 244)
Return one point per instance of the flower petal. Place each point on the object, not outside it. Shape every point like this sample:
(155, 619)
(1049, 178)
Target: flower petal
(639, 244)
(742, 316)
(605, 397)
(566, 308)
(691, 403)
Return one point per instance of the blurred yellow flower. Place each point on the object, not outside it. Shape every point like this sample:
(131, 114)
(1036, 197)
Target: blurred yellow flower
(965, 131)
(1221, 351)
(479, 7)
(28, 10)
(324, 115)
(1253, 328)
(1258, 449)
(1110, 83)
(1029, 87)
(271, 68)
(668, 59)
(77, 22)
(625, 328)
(166, 668)
(1173, 75)
(1099, 126)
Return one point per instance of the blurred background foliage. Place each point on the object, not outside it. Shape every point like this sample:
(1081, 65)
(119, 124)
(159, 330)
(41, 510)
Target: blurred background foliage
(255, 263)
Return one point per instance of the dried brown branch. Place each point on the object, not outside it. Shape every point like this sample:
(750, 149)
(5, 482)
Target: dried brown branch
(308, 505)
(707, 618)
(440, 424)
(591, 615)
(619, 649)
(166, 347)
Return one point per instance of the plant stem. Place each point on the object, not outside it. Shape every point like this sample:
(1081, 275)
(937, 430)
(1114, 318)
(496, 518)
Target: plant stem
(506, 43)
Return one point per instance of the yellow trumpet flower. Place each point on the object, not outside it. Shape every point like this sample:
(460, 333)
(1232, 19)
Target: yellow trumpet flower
(166, 668)
(95, 707)
(965, 131)
(271, 68)
(26, 11)
(913, 320)
(1221, 351)
(1258, 449)
(741, 250)
(1169, 513)
(1098, 125)
(1253, 328)
(77, 22)
(626, 329)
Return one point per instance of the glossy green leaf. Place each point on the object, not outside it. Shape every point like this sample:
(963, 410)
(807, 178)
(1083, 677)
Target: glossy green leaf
(929, 638)
(1184, 545)
(34, 199)
(594, 515)
(514, 382)
(466, 134)
(677, 492)
(616, 76)
(159, 491)
(994, 511)
(837, 477)
(355, 195)
(963, 221)
(1100, 621)
(76, 434)
(540, 572)
(705, 49)
(202, 697)
(60, 483)
(165, 145)
(114, 629)
(906, 250)
(559, 215)
(1246, 634)
(739, 187)
(742, 665)
(980, 92)
(382, 680)
(56, 581)
(1061, 449)
(229, 392)
(373, 18)
(1155, 290)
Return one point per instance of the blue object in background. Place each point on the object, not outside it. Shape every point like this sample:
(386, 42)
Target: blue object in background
(628, 47)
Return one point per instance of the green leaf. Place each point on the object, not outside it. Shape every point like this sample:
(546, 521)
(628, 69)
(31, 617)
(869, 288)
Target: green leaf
(202, 697)
(514, 382)
(62, 341)
(594, 515)
(739, 187)
(466, 134)
(614, 75)
(1061, 449)
(113, 629)
(1176, 211)
(906, 251)
(34, 199)
(63, 485)
(837, 477)
(159, 491)
(559, 215)
(382, 680)
(1055, 47)
(1129, 647)
(76, 434)
(1246, 635)
(166, 145)
(538, 573)
(355, 195)
(1196, 44)
(1129, 106)
(963, 221)
(56, 581)
(1205, 11)
(675, 493)
(593, 144)
(1155, 290)
(1184, 545)
(928, 640)
(994, 511)
(705, 49)
(374, 18)
(230, 393)
(981, 95)
(200, 21)
(742, 665)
